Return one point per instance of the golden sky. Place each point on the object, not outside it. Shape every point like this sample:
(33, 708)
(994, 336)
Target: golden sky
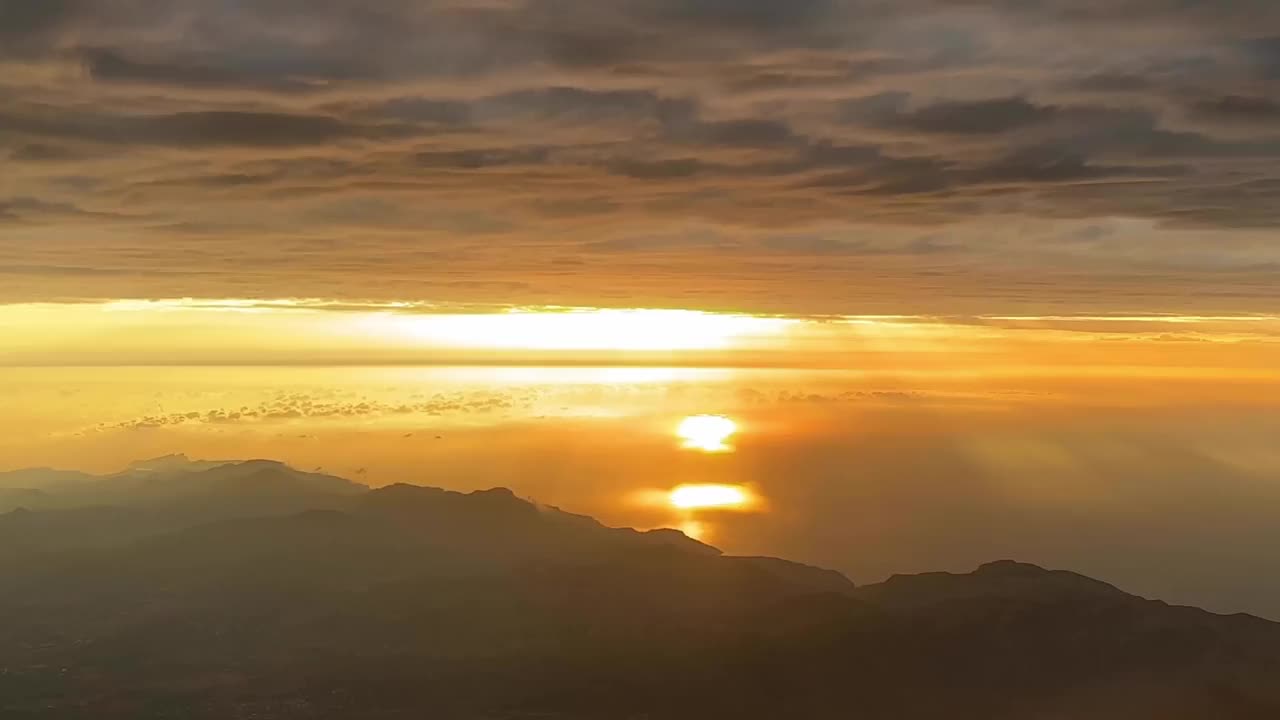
(314, 332)
(1163, 480)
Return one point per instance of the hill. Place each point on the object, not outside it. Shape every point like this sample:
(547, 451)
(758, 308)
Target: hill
(410, 602)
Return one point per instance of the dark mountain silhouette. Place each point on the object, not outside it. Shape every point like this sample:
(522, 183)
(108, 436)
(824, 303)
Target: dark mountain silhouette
(412, 602)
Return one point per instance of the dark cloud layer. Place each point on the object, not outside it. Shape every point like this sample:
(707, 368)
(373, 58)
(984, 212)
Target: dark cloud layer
(397, 148)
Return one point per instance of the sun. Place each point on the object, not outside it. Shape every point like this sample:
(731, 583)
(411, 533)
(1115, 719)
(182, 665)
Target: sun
(708, 433)
(709, 497)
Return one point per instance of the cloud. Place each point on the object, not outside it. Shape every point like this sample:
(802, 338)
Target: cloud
(480, 158)
(762, 16)
(1054, 165)
(197, 130)
(26, 24)
(658, 169)
(305, 407)
(110, 65)
(34, 210)
(41, 152)
(363, 150)
(1237, 108)
(1264, 54)
(1113, 82)
(978, 117)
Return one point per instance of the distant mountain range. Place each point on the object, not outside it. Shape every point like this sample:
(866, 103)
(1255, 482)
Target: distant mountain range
(187, 589)
(176, 480)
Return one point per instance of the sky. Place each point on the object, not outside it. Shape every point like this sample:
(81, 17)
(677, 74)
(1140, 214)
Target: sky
(808, 157)
(972, 278)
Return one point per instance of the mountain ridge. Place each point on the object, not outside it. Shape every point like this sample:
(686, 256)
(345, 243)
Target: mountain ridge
(392, 602)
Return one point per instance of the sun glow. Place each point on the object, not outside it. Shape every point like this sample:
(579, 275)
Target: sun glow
(315, 332)
(705, 497)
(585, 329)
(708, 433)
